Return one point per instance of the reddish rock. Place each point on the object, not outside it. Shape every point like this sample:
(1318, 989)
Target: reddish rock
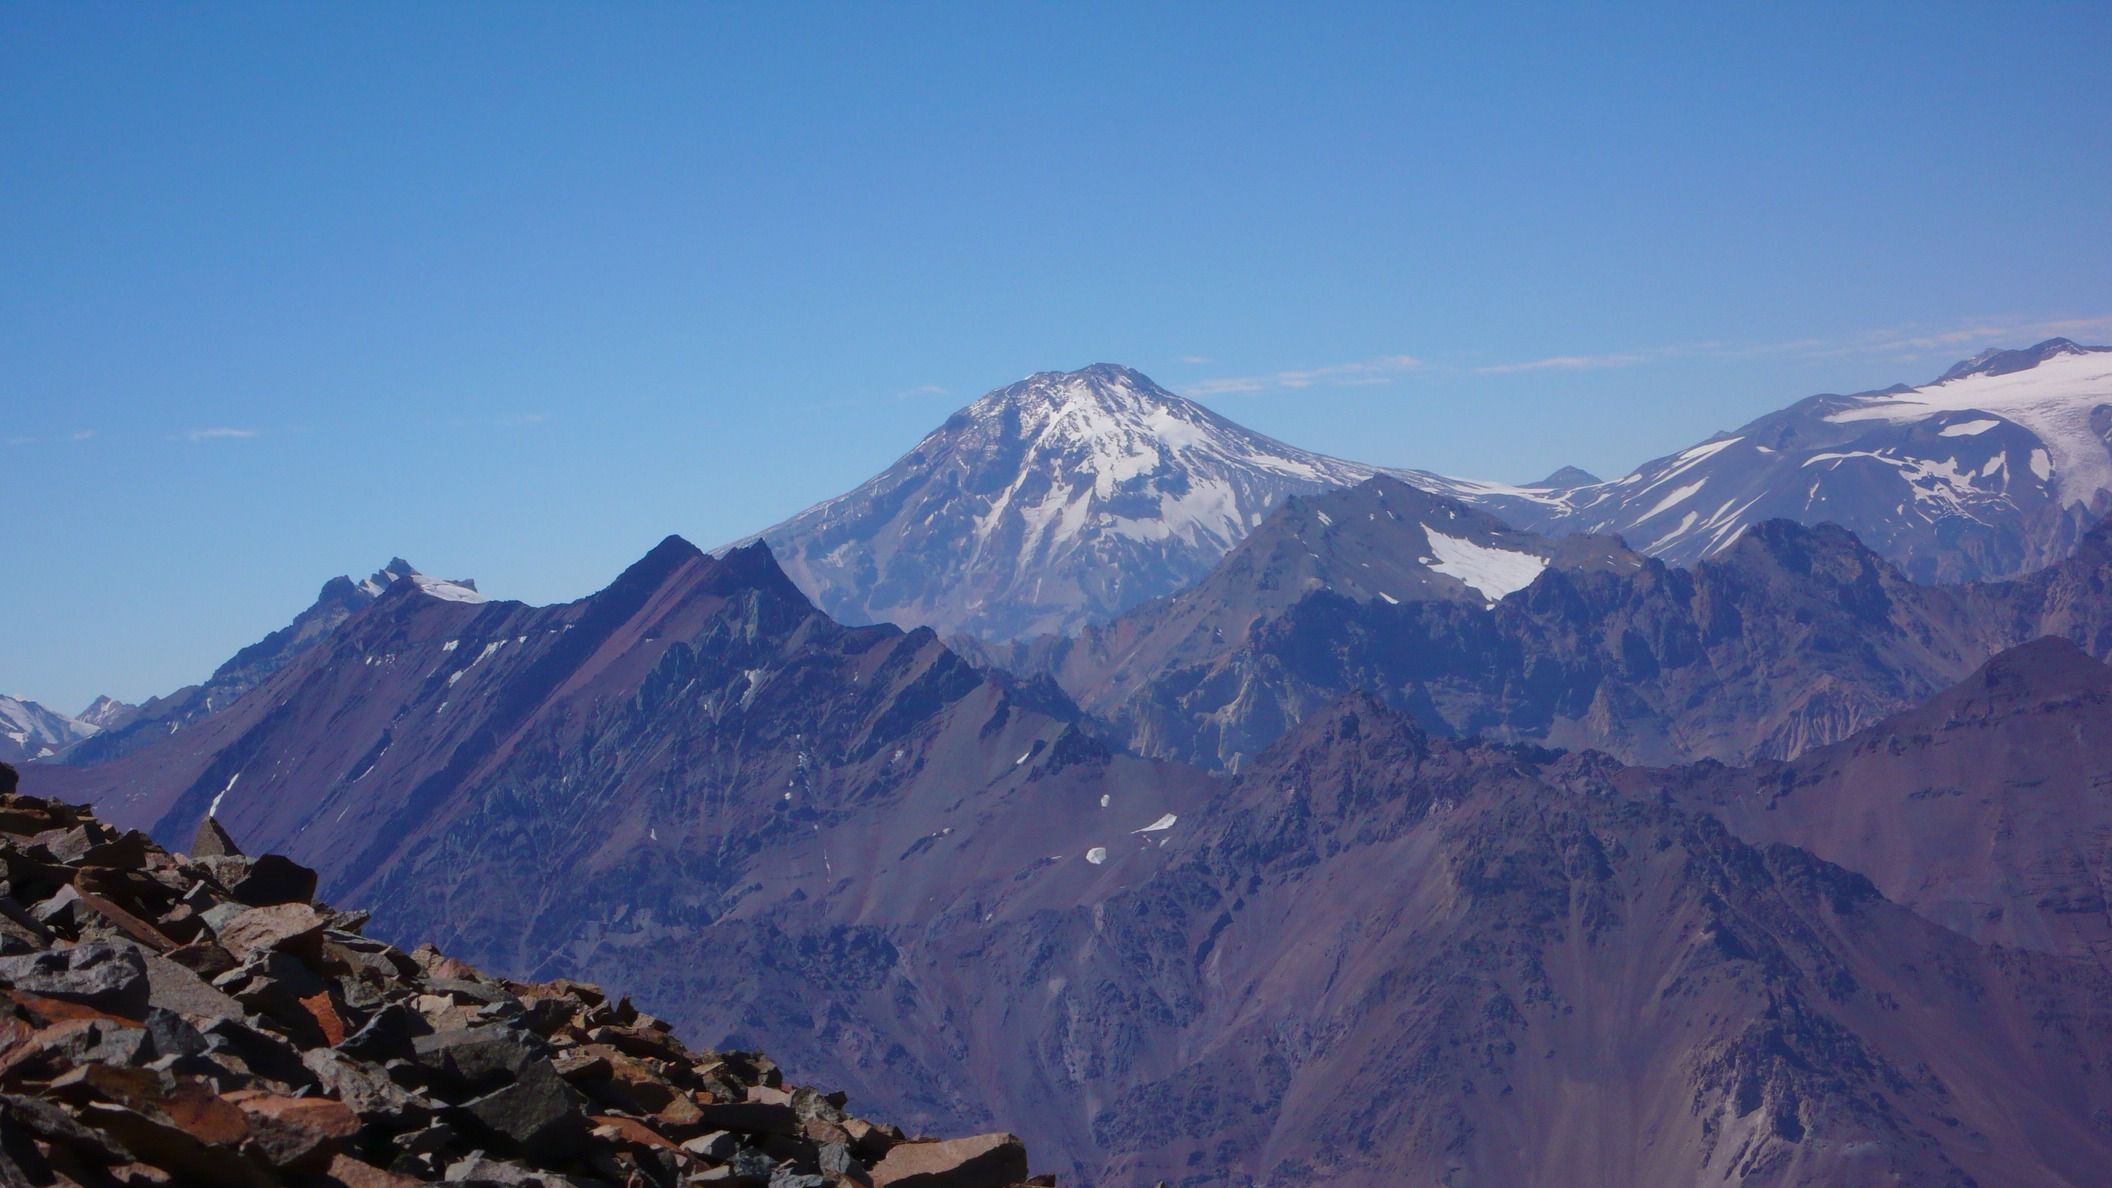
(296, 1133)
(293, 927)
(985, 1161)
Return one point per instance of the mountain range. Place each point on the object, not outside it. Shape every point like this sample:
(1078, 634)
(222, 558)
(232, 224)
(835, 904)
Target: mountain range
(933, 886)
(1068, 498)
(1793, 637)
(1223, 813)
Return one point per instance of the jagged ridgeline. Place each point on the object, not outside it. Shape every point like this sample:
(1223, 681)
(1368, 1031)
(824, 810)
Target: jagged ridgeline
(200, 1019)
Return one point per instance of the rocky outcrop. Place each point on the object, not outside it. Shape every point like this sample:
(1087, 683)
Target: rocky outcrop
(195, 1020)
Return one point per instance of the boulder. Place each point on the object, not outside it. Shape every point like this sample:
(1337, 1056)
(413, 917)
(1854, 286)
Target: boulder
(107, 975)
(985, 1161)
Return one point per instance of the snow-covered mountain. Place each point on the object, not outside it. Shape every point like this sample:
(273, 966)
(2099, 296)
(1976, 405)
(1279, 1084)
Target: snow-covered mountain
(32, 731)
(1063, 499)
(1997, 467)
(108, 713)
(1071, 497)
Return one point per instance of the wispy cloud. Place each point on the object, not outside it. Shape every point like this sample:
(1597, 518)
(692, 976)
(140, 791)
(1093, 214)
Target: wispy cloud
(81, 435)
(1921, 341)
(1568, 363)
(1382, 370)
(1907, 343)
(920, 390)
(21, 441)
(1195, 360)
(217, 433)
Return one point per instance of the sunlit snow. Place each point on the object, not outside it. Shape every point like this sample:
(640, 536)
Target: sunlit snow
(2053, 400)
(1494, 572)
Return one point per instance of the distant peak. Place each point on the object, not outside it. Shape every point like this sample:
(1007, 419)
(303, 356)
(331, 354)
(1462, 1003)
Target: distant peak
(749, 567)
(1568, 476)
(1104, 385)
(2004, 361)
(388, 575)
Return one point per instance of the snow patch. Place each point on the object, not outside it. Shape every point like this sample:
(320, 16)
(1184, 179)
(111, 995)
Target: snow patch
(1159, 826)
(1968, 428)
(2053, 401)
(1495, 572)
(1096, 855)
(447, 591)
(213, 809)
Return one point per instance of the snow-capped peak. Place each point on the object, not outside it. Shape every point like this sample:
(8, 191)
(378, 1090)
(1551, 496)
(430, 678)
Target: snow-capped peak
(388, 575)
(2054, 390)
(1061, 499)
(2003, 360)
(32, 731)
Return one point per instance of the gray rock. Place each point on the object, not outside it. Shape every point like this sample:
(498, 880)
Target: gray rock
(107, 975)
(477, 1058)
(391, 1032)
(537, 1113)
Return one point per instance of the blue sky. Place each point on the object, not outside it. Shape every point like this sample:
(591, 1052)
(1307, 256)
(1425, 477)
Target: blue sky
(515, 290)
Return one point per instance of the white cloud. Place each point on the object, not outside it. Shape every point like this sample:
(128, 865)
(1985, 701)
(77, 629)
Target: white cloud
(1955, 338)
(1895, 343)
(920, 390)
(1195, 360)
(1382, 370)
(1569, 363)
(217, 433)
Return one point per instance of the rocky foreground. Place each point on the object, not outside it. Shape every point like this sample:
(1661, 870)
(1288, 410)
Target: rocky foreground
(201, 1020)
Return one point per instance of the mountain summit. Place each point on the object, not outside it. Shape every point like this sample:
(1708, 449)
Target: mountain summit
(1065, 498)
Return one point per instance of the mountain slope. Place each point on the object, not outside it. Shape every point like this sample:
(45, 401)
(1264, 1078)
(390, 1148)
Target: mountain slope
(1375, 955)
(1996, 468)
(1792, 638)
(135, 726)
(1382, 543)
(1988, 809)
(1062, 499)
(1550, 984)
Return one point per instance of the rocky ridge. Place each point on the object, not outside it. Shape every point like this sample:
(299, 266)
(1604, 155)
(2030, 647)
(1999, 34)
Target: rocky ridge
(1792, 638)
(123, 729)
(200, 1019)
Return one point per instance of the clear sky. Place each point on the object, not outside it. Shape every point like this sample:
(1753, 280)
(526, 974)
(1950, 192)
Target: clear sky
(514, 290)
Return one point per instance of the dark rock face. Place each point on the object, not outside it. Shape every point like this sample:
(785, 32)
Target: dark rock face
(448, 1074)
(1793, 638)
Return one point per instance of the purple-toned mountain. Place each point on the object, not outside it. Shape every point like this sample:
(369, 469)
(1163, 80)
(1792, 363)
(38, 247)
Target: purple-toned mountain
(1793, 637)
(1987, 809)
(1374, 955)
(123, 729)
